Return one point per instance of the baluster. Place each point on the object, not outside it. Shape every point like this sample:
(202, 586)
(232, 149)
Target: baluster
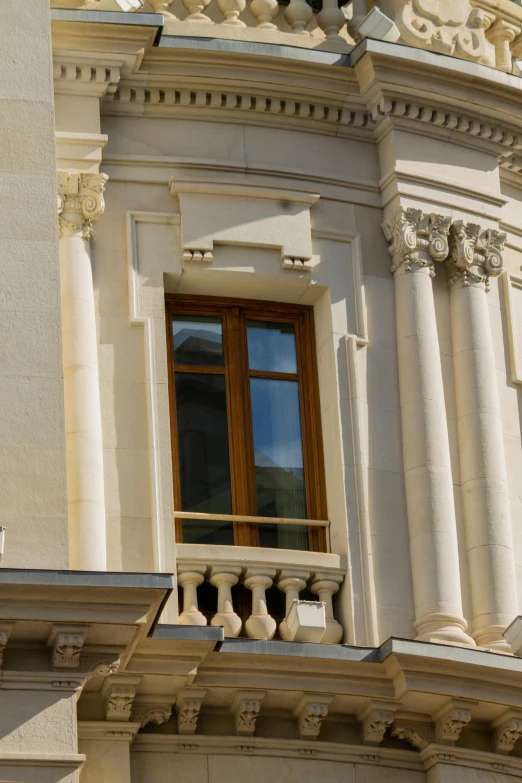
(291, 584)
(190, 579)
(260, 625)
(263, 12)
(161, 7)
(195, 10)
(231, 10)
(298, 14)
(331, 19)
(325, 586)
(225, 580)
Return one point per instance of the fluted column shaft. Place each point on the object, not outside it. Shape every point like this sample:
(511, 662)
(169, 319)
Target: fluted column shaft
(485, 494)
(81, 202)
(416, 242)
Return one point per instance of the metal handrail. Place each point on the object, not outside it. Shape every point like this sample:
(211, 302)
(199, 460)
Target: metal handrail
(251, 520)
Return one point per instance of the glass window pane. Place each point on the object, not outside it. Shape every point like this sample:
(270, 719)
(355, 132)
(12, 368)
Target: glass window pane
(271, 346)
(198, 340)
(204, 461)
(278, 457)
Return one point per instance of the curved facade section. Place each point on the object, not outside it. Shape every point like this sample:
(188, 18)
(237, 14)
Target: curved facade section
(261, 374)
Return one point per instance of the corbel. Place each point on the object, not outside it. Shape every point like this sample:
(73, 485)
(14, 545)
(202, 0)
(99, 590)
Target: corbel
(152, 710)
(118, 694)
(375, 720)
(65, 643)
(418, 734)
(507, 729)
(188, 706)
(451, 719)
(310, 713)
(245, 707)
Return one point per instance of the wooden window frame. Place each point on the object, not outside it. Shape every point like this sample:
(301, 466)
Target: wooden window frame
(234, 313)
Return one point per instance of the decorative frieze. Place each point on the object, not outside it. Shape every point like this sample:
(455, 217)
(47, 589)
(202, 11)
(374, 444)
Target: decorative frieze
(77, 78)
(80, 202)
(188, 706)
(310, 713)
(246, 707)
(197, 255)
(297, 264)
(416, 239)
(475, 255)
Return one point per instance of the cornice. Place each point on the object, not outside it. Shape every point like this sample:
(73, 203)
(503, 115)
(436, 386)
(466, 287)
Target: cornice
(249, 107)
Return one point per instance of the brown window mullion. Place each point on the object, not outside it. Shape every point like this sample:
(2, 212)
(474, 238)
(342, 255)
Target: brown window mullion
(241, 483)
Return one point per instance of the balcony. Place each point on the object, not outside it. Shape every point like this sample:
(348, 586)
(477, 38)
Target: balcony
(488, 32)
(223, 576)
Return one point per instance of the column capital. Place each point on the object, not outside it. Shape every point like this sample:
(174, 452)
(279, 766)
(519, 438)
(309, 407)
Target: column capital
(416, 239)
(80, 202)
(475, 254)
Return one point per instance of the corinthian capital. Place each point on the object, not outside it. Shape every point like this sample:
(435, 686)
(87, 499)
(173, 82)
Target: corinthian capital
(475, 255)
(416, 239)
(80, 202)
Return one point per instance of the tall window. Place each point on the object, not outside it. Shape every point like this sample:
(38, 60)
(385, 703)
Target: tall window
(244, 413)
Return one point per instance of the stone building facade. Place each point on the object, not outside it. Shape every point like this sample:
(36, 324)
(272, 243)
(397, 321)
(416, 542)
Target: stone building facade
(260, 382)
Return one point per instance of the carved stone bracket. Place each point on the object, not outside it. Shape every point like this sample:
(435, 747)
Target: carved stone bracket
(151, 712)
(188, 706)
(475, 255)
(507, 730)
(80, 202)
(246, 706)
(66, 644)
(119, 695)
(450, 721)
(375, 720)
(416, 239)
(5, 632)
(419, 736)
(310, 713)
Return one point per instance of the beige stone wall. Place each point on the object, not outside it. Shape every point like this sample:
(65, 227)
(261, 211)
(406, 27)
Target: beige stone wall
(33, 503)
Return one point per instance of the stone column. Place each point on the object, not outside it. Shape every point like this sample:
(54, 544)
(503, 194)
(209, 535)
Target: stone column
(80, 202)
(475, 255)
(416, 242)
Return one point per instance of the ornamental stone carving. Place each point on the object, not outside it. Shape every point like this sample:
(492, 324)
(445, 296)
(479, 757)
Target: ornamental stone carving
(246, 707)
(451, 27)
(119, 702)
(375, 721)
(449, 723)
(188, 706)
(507, 731)
(418, 737)
(475, 255)
(310, 713)
(416, 239)
(151, 713)
(80, 202)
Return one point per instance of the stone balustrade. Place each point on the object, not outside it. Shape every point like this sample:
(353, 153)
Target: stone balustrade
(257, 577)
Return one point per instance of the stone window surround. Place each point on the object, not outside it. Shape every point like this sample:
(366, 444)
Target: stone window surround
(148, 310)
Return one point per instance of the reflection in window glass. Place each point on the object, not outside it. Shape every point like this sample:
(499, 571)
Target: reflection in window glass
(278, 458)
(204, 463)
(271, 346)
(198, 340)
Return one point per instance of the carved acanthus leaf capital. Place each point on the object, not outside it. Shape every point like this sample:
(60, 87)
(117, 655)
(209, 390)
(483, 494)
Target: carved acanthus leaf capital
(475, 255)
(416, 239)
(80, 202)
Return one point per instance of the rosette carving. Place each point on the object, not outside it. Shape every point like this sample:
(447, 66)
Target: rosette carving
(416, 239)
(475, 255)
(80, 202)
